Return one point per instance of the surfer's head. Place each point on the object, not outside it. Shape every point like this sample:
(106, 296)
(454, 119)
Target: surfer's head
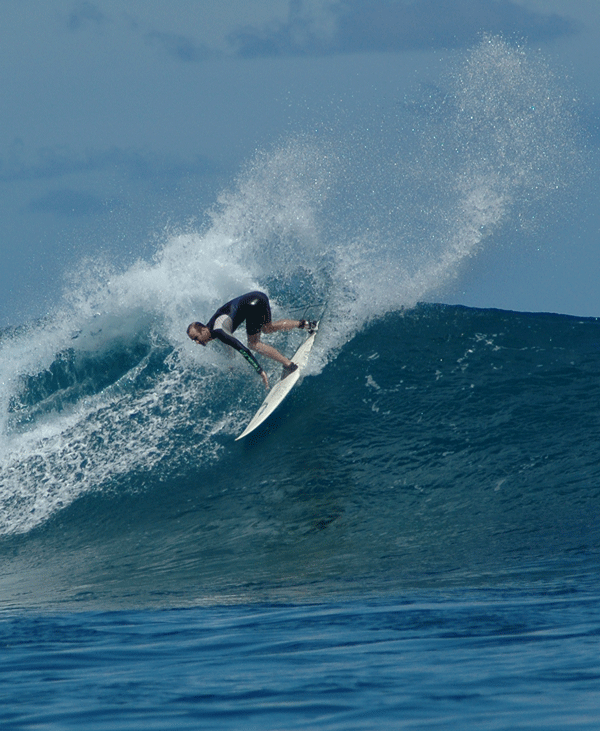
(199, 333)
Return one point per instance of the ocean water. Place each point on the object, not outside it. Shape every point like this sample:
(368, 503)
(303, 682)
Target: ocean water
(411, 541)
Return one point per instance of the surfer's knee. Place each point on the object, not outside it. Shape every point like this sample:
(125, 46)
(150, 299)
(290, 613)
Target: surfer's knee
(254, 342)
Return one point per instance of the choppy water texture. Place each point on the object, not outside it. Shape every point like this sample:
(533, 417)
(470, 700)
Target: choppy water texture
(412, 537)
(481, 660)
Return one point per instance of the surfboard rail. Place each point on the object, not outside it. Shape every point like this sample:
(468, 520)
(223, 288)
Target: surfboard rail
(281, 389)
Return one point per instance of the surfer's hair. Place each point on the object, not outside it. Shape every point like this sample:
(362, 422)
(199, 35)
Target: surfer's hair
(195, 325)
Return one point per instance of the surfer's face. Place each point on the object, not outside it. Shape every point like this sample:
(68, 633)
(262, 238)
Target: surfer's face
(200, 335)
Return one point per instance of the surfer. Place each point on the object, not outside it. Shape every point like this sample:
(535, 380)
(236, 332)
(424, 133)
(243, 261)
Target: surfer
(255, 309)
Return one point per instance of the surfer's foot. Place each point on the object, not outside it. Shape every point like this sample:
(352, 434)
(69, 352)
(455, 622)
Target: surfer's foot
(288, 369)
(310, 325)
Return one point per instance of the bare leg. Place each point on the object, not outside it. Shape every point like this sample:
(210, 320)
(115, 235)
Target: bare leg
(272, 327)
(255, 343)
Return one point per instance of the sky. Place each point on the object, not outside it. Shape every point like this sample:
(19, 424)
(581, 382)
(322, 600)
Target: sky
(122, 120)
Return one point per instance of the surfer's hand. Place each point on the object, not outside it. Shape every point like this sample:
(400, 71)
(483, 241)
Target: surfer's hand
(265, 378)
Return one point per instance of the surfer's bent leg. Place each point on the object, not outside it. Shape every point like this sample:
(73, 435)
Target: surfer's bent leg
(254, 342)
(272, 327)
(257, 314)
(258, 320)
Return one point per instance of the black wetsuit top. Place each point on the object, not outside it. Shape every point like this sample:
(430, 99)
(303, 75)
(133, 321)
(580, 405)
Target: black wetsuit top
(252, 307)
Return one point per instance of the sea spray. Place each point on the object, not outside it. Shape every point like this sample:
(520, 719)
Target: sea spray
(486, 148)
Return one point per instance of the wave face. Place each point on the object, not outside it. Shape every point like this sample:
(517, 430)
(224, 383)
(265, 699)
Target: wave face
(425, 441)
(441, 445)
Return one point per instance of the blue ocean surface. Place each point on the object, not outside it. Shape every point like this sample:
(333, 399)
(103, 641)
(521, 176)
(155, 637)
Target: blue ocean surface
(411, 541)
(447, 659)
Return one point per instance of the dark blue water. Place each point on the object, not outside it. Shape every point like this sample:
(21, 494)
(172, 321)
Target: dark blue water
(411, 541)
(461, 659)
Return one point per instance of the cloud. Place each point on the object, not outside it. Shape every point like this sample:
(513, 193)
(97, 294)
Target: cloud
(180, 47)
(71, 203)
(58, 162)
(85, 13)
(363, 26)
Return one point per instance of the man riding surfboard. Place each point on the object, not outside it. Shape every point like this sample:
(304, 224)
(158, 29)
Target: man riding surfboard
(255, 310)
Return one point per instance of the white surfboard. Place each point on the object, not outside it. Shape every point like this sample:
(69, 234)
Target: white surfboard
(281, 389)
